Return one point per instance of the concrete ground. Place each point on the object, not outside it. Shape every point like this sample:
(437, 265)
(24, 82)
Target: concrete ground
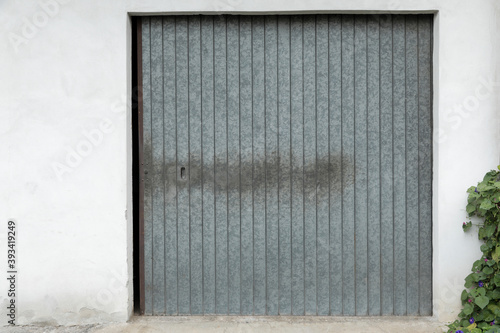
(250, 324)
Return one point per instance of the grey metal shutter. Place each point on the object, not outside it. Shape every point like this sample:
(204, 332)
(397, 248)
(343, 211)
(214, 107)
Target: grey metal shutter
(288, 164)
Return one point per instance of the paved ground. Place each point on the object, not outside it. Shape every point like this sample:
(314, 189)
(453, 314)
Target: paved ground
(249, 325)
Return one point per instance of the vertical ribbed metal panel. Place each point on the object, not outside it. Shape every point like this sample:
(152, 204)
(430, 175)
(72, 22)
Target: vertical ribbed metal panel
(289, 164)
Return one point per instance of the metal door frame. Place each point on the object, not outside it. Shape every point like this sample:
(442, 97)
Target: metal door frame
(137, 58)
(140, 170)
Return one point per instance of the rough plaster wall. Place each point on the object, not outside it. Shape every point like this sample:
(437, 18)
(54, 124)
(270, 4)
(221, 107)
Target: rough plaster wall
(465, 139)
(69, 79)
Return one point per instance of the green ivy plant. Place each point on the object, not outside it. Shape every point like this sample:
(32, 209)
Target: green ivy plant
(481, 297)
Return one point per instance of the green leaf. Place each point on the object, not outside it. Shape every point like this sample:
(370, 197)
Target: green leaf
(486, 204)
(481, 233)
(472, 197)
(487, 270)
(466, 226)
(494, 294)
(471, 189)
(484, 326)
(470, 279)
(478, 265)
(479, 316)
(482, 301)
(486, 188)
(470, 208)
(483, 201)
(464, 295)
(489, 175)
(488, 316)
(492, 307)
(472, 326)
(468, 309)
(490, 230)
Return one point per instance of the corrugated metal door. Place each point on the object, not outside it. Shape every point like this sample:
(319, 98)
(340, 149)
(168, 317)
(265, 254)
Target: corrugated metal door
(287, 164)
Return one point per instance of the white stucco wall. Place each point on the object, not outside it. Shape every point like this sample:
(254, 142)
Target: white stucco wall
(65, 76)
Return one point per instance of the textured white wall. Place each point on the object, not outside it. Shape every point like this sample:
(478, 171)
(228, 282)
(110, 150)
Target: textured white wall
(66, 144)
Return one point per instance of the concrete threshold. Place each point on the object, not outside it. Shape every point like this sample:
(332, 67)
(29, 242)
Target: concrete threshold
(242, 324)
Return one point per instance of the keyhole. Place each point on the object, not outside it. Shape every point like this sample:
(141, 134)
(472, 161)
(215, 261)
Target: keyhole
(183, 173)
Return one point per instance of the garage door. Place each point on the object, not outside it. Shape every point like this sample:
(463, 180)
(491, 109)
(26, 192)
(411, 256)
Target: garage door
(287, 164)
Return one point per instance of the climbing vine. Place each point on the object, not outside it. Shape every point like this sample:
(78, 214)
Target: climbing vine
(481, 297)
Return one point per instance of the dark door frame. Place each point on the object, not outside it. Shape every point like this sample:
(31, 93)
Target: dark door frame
(137, 168)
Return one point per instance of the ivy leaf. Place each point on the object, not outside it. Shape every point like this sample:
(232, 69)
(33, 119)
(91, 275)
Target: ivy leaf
(482, 301)
(494, 294)
(483, 201)
(468, 309)
(479, 316)
(473, 196)
(472, 326)
(488, 316)
(489, 175)
(471, 189)
(478, 265)
(467, 226)
(464, 295)
(490, 230)
(486, 204)
(487, 270)
(481, 233)
(470, 279)
(470, 208)
(496, 254)
(487, 188)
